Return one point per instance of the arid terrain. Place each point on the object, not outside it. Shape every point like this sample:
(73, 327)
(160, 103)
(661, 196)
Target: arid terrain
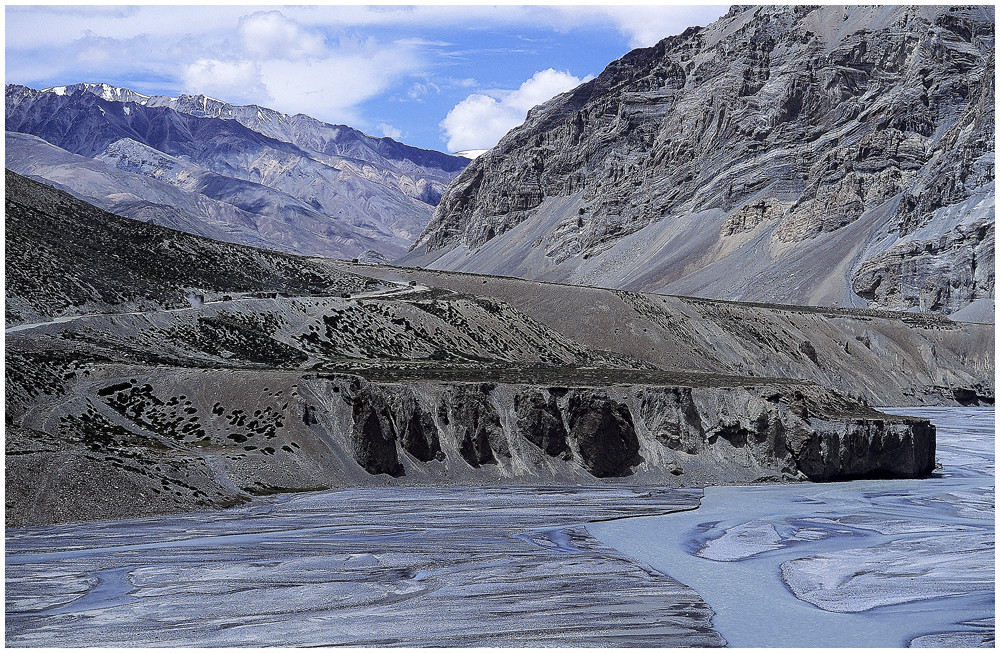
(178, 386)
(700, 353)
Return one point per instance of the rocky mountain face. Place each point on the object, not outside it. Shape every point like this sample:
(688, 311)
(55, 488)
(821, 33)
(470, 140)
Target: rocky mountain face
(218, 387)
(810, 155)
(243, 174)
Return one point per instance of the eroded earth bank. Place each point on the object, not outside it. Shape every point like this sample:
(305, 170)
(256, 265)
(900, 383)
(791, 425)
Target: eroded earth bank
(150, 371)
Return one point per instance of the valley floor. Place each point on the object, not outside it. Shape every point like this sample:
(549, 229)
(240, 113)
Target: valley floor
(876, 563)
(455, 566)
(859, 564)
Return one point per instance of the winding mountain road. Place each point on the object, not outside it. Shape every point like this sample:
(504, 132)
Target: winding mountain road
(400, 289)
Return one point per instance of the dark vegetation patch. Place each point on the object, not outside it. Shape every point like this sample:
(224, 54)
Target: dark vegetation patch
(62, 252)
(368, 329)
(241, 336)
(30, 374)
(441, 326)
(177, 418)
(100, 434)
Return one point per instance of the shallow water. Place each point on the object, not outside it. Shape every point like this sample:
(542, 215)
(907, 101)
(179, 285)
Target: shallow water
(864, 563)
(517, 566)
(367, 567)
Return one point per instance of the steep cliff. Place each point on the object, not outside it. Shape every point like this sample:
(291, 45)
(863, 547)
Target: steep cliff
(793, 154)
(179, 439)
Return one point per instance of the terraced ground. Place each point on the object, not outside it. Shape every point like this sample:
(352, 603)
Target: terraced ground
(143, 379)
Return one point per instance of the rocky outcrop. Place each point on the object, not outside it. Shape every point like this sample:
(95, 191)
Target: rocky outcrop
(673, 419)
(373, 434)
(775, 155)
(604, 435)
(474, 423)
(541, 422)
(417, 432)
(934, 269)
(180, 439)
(858, 448)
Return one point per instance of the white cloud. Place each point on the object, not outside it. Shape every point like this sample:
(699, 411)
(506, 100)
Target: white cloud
(419, 90)
(270, 35)
(52, 26)
(542, 86)
(331, 88)
(230, 81)
(643, 21)
(416, 41)
(96, 52)
(389, 130)
(646, 25)
(480, 121)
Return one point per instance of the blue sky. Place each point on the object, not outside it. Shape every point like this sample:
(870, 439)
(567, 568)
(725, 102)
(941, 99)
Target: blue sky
(444, 77)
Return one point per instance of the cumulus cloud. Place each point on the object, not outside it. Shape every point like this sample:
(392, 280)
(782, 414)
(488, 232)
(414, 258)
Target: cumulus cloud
(279, 65)
(332, 88)
(389, 130)
(646, 25)
(226, 80)
(479, 121)
(270, 35)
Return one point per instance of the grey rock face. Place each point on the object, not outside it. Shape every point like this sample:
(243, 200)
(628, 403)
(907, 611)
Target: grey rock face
(673, 419)
(539, 419)
(603, 432)
(864, 448)
(418, 434)
(935, 270)
(778, 154)
(291, 183)
(475, 424)
(374, 434)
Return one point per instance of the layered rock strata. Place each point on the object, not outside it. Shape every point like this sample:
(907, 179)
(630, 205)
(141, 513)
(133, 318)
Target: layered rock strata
(158, 440)
(795, 154)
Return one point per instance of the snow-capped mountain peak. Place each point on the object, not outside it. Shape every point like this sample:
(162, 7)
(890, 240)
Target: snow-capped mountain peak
(242, 173)
(101, 90)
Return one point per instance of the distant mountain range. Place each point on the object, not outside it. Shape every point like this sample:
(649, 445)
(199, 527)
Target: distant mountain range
(242, 174)
(820, 155)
